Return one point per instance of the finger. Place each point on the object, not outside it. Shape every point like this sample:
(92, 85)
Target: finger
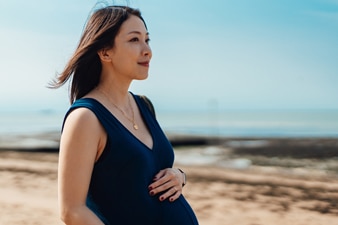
(161, 188)
(167, 180)
(175, 196)
(173, 193)
(160, 174)
(164, 176)
(161, 181)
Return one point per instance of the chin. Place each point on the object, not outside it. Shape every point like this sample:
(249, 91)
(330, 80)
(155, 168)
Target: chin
(142, 77)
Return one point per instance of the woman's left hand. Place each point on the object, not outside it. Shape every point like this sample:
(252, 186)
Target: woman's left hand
(169, 181)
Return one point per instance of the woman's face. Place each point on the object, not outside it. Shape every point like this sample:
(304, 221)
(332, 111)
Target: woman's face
(131, 53)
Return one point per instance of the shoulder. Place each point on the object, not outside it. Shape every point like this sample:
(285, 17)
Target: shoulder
(82, 111)
(82, 122)
(82, 116)
(82, 132)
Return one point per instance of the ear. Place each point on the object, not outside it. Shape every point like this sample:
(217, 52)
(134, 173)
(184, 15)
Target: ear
(104, 55)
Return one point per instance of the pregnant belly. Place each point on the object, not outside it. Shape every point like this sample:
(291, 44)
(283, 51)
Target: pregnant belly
(178, 212)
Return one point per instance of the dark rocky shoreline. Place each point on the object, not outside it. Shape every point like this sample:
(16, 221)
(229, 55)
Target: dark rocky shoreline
(314, 147)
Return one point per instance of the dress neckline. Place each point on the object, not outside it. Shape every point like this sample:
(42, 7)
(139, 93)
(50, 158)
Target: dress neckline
(146, 122)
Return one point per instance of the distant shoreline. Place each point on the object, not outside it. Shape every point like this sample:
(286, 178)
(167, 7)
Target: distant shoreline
(312, 147)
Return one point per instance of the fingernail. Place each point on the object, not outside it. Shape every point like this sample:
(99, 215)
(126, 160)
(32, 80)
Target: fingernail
(161, 198)
(171, 199)
(152, 193)
(150, 188)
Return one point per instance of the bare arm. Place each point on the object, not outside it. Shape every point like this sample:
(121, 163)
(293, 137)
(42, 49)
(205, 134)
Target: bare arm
(82, 140)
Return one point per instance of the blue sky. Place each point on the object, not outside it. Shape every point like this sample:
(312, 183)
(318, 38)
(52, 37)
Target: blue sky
(243, 54)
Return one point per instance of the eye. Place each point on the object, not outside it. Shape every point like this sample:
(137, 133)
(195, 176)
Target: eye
(134, 39)
(147, 40)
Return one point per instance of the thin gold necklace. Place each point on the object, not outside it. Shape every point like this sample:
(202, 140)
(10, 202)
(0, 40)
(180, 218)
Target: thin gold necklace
(132, 120)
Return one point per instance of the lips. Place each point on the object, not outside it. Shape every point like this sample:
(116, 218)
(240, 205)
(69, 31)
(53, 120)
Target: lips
(145, 63)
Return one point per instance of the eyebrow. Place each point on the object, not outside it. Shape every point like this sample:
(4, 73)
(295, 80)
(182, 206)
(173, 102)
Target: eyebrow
(137, 32)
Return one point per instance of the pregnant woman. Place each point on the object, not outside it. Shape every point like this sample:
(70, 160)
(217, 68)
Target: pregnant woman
(115, 163)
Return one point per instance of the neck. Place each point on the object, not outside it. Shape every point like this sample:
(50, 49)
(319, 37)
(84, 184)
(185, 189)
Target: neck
(118, 97)
(116, 90)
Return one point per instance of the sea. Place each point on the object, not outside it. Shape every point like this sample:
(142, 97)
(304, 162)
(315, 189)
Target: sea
(228, 123)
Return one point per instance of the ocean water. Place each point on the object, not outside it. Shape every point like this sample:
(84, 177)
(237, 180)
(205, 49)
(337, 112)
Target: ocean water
(30, 122)
(309, 123)
(254, 123)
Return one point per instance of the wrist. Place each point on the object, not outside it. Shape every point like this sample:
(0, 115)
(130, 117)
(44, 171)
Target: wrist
(184, 177)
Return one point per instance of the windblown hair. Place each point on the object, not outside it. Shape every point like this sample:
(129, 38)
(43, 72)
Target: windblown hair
(84, 67)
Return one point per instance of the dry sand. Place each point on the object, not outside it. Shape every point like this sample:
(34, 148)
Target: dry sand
(228, 190)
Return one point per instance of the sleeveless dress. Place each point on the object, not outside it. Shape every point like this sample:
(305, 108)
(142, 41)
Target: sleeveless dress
(118, 192)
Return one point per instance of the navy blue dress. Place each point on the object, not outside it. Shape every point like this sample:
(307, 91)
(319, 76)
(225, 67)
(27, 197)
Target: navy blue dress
(118, 192)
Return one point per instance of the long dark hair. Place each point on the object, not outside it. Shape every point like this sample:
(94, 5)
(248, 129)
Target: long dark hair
(84, 67)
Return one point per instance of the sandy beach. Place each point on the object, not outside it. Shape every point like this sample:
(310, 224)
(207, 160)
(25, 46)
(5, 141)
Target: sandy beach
(237, 182)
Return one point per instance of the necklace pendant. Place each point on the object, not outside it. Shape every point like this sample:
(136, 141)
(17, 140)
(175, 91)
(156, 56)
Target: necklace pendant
(135, 127)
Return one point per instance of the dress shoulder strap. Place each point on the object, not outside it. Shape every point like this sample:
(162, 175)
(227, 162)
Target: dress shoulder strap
(149, 104)
(91, 104)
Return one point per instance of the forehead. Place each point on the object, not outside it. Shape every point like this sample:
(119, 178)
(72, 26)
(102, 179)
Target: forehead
(132, 24)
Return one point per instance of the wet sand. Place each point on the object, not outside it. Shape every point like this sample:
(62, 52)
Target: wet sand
(238, 182)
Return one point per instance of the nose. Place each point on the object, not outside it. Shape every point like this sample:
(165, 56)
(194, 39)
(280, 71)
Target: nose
(147, 50)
